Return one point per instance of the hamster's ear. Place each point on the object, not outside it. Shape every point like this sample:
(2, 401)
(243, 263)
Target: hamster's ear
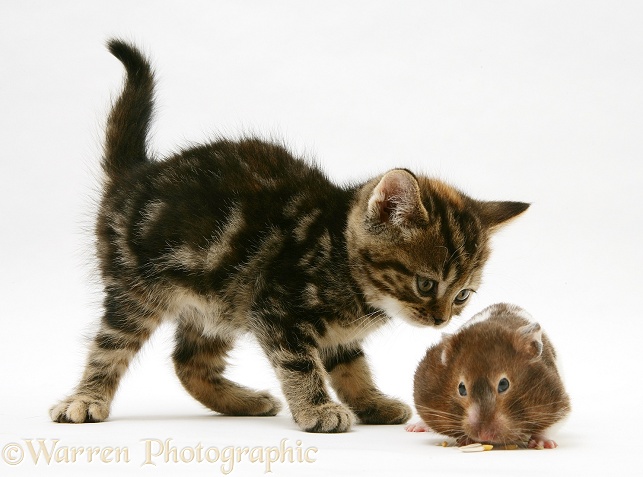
(396, 200)
(447, 348)
(444, 356)
(529, 340)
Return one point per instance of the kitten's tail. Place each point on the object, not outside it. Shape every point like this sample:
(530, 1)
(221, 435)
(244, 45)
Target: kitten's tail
(128, 123)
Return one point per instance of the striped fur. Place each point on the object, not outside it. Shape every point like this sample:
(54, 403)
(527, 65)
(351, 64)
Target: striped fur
(240, 236)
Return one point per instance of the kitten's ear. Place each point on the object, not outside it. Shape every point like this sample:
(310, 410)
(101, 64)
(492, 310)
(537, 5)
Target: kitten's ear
(529, 340)
(496, 214)
(396, 200)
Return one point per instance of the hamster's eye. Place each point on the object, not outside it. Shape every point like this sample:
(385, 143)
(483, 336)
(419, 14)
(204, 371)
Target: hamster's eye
(463, 296)
(425, 285)
(462, 389)
(503, 385)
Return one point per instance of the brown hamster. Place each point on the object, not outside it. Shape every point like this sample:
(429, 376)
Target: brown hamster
(493, 381)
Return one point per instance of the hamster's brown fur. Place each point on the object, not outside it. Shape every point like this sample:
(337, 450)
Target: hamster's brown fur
(505, 367)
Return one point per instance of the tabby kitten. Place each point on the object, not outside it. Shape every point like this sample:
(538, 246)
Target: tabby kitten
(240, 236)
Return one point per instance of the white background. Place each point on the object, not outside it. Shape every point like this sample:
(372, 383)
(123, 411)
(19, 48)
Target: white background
(534, 101)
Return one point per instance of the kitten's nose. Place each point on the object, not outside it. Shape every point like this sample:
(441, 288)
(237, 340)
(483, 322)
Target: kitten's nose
(438, 321)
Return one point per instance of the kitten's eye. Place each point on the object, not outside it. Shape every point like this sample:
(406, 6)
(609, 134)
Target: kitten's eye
(425, 285)
(503, 385)
(462, 296)
(462, 389)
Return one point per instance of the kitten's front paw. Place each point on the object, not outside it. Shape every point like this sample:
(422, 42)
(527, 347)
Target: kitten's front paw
(384, 410)
(80, 408)
(329, 417)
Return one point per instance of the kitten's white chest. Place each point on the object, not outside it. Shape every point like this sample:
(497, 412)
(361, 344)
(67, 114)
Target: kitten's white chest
(342, 333)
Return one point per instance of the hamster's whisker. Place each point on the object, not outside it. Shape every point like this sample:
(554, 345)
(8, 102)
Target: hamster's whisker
(540, 410)
(438, 413)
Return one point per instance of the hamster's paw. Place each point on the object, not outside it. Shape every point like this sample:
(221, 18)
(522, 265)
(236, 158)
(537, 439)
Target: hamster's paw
(465, 441)
(80, 408)
(384, 410)
(541, 442)
(417, 427)
(329, 417)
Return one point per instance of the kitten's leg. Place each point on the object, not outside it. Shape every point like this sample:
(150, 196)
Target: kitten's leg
(199, 362)
(351, 378)
(125, 326)
(301, 373)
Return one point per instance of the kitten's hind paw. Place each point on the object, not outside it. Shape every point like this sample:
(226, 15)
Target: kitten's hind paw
(384, 410)
(80, 408)
(329, 417)
(251, 403)
(271, 406)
